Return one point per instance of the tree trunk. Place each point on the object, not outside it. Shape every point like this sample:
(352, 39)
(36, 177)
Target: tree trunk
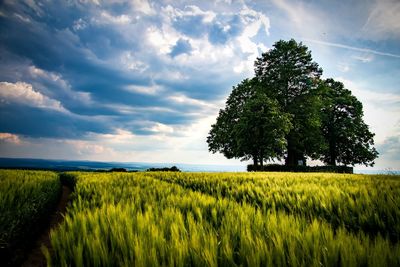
(332, 153)
(293, 157)
(255, 162)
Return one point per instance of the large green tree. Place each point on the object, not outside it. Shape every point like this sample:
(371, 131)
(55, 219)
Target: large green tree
(251, 126)
(289, 75)
(348, 138)
(287, 111)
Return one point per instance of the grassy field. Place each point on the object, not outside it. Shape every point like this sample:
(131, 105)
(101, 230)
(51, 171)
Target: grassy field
(205, 219)
(26, 200)
(227, 219)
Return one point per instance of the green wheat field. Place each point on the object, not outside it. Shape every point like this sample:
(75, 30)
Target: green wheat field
(209, 219)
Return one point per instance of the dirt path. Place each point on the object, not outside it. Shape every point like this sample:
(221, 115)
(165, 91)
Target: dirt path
(35, 256)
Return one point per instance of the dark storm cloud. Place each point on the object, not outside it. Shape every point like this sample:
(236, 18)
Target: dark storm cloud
(38, 122)
(71, 52)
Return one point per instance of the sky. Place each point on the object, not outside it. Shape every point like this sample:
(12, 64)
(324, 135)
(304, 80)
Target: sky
(143, 81)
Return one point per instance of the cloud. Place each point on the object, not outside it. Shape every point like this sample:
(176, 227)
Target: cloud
(143, 6)
(303, 18)
(390, 147)
(383, 20)
(381, 110)
(365, 58)
(23, 93)
(343, 67)
(10, 138)
(366, 50)
(86, 148)
(158, 128)
(147, 90)
(122, 79)
(105, 17)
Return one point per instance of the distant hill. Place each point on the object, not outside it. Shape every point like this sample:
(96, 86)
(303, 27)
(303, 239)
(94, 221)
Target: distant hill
(73, 165)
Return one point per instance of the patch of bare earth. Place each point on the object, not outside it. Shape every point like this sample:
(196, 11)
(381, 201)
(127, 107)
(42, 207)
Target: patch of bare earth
(35, 257)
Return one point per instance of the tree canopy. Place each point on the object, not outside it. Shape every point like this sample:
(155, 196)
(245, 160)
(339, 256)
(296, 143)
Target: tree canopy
(348, 138)
(288, 74)
(287, 112)
(243, 128)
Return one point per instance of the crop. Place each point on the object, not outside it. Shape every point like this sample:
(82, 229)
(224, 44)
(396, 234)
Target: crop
(366, 203)
(167, 219)
(26, 200)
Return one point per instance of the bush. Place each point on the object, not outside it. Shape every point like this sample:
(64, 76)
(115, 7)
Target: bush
(118, 170)
(165, 169)
(284, 168)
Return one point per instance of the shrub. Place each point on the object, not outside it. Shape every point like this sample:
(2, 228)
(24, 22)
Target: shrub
(284, 168)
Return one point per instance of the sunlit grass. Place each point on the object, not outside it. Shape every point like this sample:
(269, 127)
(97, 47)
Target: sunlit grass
(357, 202)
(140, 220)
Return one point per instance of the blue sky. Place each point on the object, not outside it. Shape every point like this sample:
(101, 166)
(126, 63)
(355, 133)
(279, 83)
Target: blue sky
(142, 81)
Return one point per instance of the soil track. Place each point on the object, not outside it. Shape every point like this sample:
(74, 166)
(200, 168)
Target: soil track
(35, 257)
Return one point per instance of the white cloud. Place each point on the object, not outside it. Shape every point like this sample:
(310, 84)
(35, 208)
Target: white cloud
(128, 109)
(254, 21)
(35, 7)
(159, 128)
(183, 99)
(60, 83)
(86, 148)
(10, 138)
(303, 17)
(189, 10)
(162, 39)
(146, 90)
(365, 58)
(383, 20)
(23, 93)
(79, 24)
(22, 18)
(343, 67)
(236, 56)
(143, 6)
(131, 63)
(107, 18)
(381, 110)
(365, 50)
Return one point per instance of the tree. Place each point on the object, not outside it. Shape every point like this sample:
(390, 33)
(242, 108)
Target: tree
(221, 138)
(348, 138)
(261, 129)
(250, 126)
(288, 74)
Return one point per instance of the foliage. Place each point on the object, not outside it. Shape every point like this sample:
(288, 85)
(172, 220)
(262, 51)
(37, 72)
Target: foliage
(286, 110)
(222, 137)
(289, 75)
(165, 169)
(181, 219)
(26, 199)
(299, 168)
(251, 126)
(348, 138)
(261, 129)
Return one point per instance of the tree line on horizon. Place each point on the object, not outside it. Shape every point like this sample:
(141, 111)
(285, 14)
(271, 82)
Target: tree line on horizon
(287, 111)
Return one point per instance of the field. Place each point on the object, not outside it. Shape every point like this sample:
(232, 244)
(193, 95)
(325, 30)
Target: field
(228, 219)
(26, 199)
